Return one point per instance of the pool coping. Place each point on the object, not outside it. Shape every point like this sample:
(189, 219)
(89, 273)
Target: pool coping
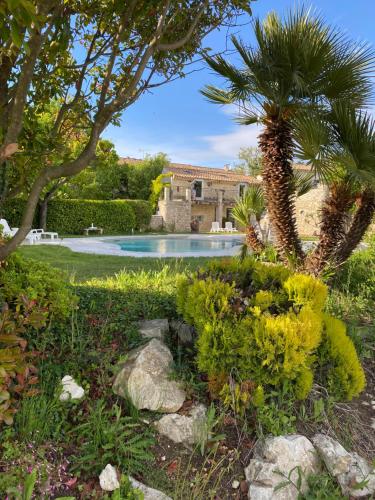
(101, 246)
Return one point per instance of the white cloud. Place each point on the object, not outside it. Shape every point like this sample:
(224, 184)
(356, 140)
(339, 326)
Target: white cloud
(228, 145)
(211, 150)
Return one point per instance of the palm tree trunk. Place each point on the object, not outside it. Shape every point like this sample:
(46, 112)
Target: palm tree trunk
(276, 145)
(252, 239)
(334, 216)
(360, 223)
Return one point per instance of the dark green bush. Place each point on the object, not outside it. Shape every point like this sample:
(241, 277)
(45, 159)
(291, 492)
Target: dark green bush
(38, 282)
(263, 324)
(143, 211)
(72, 216)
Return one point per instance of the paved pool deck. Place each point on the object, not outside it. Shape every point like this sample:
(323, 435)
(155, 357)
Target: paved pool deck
(103, 245)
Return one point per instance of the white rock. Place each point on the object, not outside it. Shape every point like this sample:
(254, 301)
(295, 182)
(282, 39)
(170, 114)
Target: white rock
(349, 468)
(274, 459)
(148, 493)
(235, 484)
(70, 389)
(187, 429)
(145, 378)
(154, 328)
(108, 478)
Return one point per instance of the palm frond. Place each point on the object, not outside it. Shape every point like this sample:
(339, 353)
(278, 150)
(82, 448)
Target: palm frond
(252, 204)
(216, 95)
(303, 182)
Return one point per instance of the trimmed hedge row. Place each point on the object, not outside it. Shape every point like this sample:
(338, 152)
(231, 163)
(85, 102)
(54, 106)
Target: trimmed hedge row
(72, 216)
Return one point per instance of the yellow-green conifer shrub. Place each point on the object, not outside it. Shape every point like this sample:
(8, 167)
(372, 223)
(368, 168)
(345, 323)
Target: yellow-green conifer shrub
(305, 290)
(339, 360)
(203, 300)
(267, 326)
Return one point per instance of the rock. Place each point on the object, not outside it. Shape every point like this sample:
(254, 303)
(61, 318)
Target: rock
(154, 328)
(235, 484)
(274, 459)
(184, 331)
(186, 429)
(145, 378)
(148, 493)
(70, 389)
(349, 468)
(108, 478)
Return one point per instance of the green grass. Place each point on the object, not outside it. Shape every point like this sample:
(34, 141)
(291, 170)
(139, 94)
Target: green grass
(84, 266)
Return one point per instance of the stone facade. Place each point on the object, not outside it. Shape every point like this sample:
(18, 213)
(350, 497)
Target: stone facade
(307, 211)
(156, 223)
(198, 196)
(176, 213)
(182, 205)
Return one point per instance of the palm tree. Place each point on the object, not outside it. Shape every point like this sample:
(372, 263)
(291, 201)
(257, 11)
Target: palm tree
(340, 147)
(251, 206)
(297, 63)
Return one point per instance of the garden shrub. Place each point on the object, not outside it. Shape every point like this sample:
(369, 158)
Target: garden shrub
(142, 211)
(338, 359)
(72, 216)
(38, 282)
(261, 323)
(17, 375)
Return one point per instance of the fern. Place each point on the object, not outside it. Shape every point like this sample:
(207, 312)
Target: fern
(110, 437)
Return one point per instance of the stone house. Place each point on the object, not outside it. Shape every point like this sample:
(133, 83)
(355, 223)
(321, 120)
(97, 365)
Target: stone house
(200, 196)
(196, 196)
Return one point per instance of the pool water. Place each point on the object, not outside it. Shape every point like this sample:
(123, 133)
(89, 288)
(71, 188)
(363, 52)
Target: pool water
(178, 245)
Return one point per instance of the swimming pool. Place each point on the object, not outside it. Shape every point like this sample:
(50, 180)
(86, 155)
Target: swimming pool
(177, 244)
(154, 245)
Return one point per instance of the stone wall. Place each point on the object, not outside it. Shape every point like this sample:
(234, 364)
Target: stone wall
(206, 214)
(210, 188)
(176, 215)
(307, 211)
(156, 223)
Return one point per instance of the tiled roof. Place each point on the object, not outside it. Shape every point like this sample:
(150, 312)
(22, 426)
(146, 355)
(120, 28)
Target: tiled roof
(191, 172)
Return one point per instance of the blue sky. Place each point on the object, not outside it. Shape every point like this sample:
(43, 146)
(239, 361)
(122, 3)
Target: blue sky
(176, 119)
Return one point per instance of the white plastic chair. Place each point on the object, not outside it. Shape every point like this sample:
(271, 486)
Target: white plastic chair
(32, 236)
(7, 230)
(215, 228)
(229, 227)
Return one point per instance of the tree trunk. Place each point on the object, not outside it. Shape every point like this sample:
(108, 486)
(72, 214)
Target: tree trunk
(252, 239)
(43, 208)
(360, 223)
(276, 145)
(334, 216)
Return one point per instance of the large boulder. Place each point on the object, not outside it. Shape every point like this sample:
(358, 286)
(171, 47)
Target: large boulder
(154, 328)
(145, 378)
(187, 429)
(148, 493)
(274, 460)
(350, 470)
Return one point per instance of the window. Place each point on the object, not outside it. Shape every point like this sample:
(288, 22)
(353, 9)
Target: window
(197, 191)
(242, 190)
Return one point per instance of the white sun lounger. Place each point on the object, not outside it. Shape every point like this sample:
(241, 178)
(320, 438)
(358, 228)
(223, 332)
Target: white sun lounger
(32, 236)
(215, 228)
(229, 227)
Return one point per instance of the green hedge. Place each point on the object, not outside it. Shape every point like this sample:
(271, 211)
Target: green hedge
(72, 216)
(143, 212)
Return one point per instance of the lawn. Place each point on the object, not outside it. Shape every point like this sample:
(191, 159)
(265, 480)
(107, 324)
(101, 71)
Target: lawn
(84, 266)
